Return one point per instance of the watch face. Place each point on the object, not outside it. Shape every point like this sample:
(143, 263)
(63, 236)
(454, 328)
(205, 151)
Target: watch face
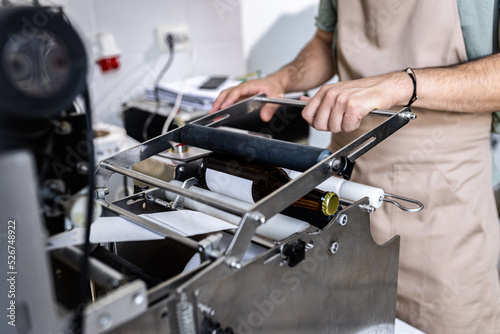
(38, 66)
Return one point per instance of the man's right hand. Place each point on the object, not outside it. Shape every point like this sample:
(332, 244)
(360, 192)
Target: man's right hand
(270, 86)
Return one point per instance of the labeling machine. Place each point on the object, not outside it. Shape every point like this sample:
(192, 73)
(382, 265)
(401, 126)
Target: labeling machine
(330, 279)
(260, 275)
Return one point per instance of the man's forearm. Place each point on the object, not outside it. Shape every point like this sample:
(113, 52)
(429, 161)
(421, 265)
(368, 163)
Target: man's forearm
(313, 66)
(469, 87)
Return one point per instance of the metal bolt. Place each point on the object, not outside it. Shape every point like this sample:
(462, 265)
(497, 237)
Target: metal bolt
(101, 192)
(138, 299)
(409, 115)
(207, 310)
(335, 165)
(309, 246)
(63, 128)
(334, 247)
(258, 217)
(343, 219)
(104, 321)
(82, 168)
(367, 208)
(233, 263)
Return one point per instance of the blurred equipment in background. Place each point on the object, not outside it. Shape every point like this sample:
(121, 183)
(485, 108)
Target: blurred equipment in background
(47, 164)
(287, 123)
(108, 53)
(43, 68)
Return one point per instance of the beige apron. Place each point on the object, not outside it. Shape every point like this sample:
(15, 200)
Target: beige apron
(448, 281)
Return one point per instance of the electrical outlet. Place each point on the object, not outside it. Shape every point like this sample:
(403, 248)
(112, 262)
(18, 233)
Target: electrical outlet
(180, 34)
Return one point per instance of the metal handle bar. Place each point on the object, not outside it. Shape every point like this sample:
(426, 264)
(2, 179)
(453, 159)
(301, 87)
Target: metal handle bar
(298, 103)
(402, 207)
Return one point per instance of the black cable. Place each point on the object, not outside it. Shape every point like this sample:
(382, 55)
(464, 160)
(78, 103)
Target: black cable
(147, 123)
(84, 278)
(125, 186)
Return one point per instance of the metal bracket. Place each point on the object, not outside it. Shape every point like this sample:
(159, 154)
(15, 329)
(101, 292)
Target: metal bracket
(342, 167)
(243, 236)
(179, 200)
(116, 308)
(294, 252)
(209, 246)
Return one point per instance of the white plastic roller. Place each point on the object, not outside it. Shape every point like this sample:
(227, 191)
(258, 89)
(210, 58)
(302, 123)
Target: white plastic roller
(346, 189)
(355, 191)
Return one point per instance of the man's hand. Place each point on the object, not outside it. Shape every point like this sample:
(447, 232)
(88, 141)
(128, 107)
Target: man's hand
(312, 67)
(269, 86)
(341, 106)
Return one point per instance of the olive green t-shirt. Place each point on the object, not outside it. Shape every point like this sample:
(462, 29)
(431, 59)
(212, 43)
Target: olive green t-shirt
(478, 18)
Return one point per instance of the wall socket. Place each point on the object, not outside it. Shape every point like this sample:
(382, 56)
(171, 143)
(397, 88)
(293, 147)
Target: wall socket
(180, 33)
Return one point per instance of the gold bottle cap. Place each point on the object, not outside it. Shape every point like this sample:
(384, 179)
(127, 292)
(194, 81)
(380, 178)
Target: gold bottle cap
(330, 204)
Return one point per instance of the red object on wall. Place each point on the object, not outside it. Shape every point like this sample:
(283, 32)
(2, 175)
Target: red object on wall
(109, 64)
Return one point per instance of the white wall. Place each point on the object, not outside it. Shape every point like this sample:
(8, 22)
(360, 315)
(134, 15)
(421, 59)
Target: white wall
(274, 31)
(214, 30)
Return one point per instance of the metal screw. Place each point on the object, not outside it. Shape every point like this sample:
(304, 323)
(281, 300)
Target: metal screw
(233, 263)
(63, 128)
(82, 168)
(138, 299)
(309, 246)
(104, 321)
(409, 115)
(367, 208)
(335, 165)
(334, 247)
(343, 219)
(258, 217)
(207, 310)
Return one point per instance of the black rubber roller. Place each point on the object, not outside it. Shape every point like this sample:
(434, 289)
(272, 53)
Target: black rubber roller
(253, 148)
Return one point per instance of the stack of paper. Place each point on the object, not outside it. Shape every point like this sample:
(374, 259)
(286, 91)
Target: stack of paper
(193, 98)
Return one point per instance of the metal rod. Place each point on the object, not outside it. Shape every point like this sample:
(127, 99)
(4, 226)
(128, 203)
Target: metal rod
(99, 273)
(167, 186)
(143, 222)
(298, 103)
(288, 102)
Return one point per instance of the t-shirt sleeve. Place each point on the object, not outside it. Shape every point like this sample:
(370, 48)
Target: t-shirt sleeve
(327, 15)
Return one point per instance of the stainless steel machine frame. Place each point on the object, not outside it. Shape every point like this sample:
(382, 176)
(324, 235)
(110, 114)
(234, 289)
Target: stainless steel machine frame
(345, 283)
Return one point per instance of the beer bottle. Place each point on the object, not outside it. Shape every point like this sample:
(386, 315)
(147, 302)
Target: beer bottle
(250, 183)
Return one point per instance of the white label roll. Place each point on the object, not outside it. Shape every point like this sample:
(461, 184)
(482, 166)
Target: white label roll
(277, 227)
